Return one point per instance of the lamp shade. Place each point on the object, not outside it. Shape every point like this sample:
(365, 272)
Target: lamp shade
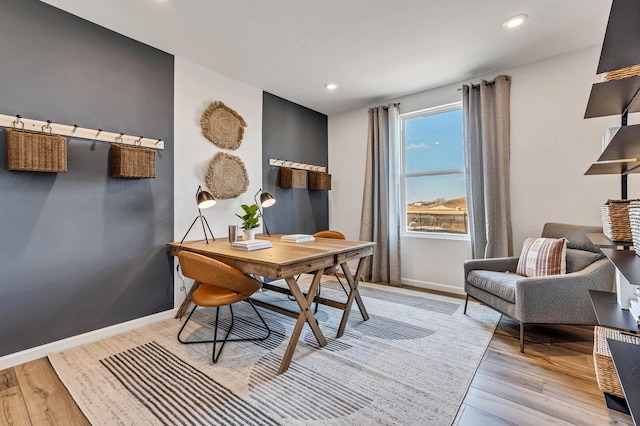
(205, 199)
(267, 200)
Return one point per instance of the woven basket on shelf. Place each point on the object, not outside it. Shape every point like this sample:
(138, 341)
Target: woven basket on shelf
(627, 72)
(132, 162)
(634, 221)
(319, 180)
(292, 178)
(35, 151)
(605, 371)
(615, 220)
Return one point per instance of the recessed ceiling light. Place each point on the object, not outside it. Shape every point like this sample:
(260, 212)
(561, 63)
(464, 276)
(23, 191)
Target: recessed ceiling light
(515, 21)
(331, 86)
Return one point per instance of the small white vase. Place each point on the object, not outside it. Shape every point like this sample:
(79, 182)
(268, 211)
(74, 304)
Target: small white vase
(248, 234)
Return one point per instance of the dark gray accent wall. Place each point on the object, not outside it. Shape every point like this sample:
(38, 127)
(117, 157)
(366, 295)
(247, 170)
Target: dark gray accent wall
(80, 250)
(293, 132)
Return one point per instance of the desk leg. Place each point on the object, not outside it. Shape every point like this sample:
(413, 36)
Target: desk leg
(187, 301)
(305, 316)
(353, 294)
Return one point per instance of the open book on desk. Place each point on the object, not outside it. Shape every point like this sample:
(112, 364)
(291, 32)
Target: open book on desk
(298, 238)
(251, 244)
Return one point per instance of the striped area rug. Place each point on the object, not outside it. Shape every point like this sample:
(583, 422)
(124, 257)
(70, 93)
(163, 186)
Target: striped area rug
(410, 364)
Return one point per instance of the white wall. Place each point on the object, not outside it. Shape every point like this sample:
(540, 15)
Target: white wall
(195, 88)
(551, 148)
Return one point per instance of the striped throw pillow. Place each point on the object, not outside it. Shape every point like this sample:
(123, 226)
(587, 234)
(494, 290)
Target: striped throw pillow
(543, 256)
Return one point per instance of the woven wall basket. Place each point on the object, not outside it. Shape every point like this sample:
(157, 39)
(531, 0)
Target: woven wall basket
(35, 151)
(227, 177)
(292, 178)
(222, 126)
(319, 180)
(132, 162)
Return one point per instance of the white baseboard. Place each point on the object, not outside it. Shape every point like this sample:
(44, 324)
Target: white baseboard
(27, 355)
(434, 286)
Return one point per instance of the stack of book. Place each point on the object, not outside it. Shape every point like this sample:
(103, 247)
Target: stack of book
(297, 238)
(634, 308)
(251, 244)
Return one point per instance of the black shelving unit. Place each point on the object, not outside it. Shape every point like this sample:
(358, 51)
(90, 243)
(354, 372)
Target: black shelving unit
(620, 45)
(624, 144)
(614, 168)
(620, 49)
(609, 314)
(613, 98)
(626, 360)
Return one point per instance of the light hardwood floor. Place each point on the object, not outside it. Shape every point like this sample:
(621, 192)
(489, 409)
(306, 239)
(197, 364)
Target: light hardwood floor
(553, 382)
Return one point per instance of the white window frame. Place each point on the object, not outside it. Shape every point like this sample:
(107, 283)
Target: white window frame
(403, 175)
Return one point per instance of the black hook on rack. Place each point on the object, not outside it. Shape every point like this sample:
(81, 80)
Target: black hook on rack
(47, 126)
(15, 123)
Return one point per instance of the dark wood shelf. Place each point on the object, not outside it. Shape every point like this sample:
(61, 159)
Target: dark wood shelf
(622, 37)
(625, 261)
(626, 360)
(609, 313)
(600, 240)
(615, 168)
(612, 97)
(624, 144)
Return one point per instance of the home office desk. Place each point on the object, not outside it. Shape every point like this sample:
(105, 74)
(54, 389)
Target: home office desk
(286, 260)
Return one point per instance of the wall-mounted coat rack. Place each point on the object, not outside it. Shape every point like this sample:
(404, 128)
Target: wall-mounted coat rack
(76, 131)
(296, 165)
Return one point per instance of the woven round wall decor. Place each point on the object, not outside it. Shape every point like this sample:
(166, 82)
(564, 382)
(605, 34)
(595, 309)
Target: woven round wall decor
(227, 176)
(222, 126)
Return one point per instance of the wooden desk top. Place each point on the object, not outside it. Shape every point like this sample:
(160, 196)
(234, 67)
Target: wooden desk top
(284, 258)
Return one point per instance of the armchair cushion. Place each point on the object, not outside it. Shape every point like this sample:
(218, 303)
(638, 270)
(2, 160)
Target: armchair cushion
(577, 260)
(500, 284)
(543, 256)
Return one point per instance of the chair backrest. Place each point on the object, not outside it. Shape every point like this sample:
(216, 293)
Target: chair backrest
(330, 234)
(581, 252)
(215, 273)
(576, 234)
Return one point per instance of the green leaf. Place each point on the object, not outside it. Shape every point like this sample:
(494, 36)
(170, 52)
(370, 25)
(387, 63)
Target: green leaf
(250, 217)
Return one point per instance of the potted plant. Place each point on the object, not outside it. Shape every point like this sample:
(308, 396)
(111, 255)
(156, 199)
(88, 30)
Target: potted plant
(249, 221)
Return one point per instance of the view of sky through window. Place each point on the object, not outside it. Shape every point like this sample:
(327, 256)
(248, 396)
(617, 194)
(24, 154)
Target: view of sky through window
(434, 143)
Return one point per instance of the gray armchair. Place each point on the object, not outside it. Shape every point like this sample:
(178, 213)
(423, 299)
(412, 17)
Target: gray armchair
(554, 299)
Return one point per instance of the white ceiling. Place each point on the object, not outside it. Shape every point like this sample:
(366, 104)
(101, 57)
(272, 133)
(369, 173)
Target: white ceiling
(374, 50)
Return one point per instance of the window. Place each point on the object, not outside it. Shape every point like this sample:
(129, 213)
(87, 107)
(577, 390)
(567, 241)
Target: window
(433, 183)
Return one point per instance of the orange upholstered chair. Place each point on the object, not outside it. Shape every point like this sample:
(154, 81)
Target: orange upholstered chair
(220, 285)
(330, 234)
(332, 270)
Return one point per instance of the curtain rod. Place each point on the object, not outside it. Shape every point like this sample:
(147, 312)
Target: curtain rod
(488, 83)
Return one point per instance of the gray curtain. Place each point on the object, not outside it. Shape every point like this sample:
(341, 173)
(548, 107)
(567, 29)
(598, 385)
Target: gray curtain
(486, 139)
(380, 220)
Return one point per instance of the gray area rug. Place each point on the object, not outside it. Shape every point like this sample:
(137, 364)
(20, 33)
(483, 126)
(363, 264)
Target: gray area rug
(410, 364)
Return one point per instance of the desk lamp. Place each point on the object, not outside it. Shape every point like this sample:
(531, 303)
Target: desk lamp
(204, 200)
(266, 201)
